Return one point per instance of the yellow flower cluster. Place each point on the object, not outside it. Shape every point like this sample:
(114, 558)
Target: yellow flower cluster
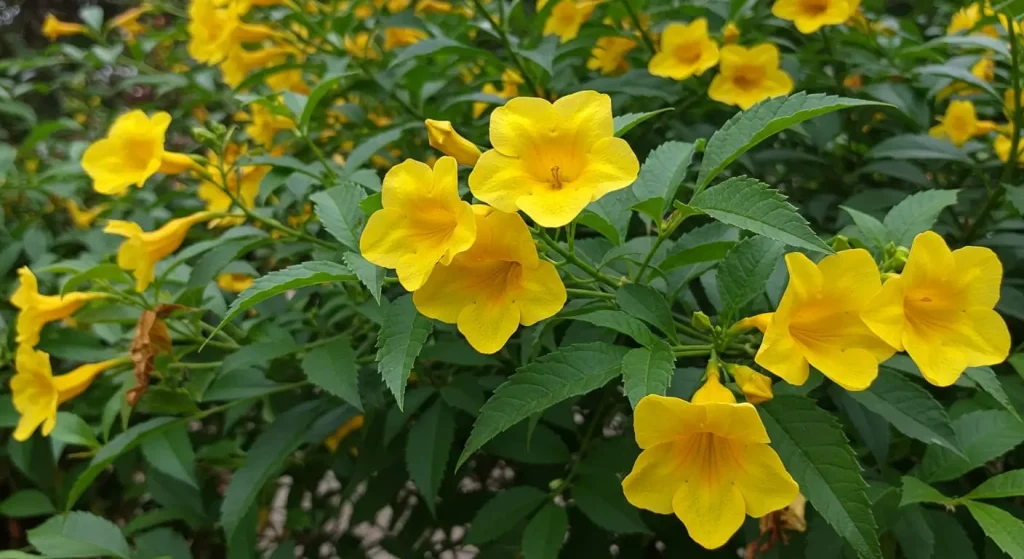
(477, 266)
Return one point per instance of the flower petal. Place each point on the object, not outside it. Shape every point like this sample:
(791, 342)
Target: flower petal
(488, 325)
(611, 165)
(543, 294)
(654, 478)
(762, 479)
(555, 208)
(780, 354)
(501, 180)
(708, 502)
(884, 315)
(516, 125)
(979, 275)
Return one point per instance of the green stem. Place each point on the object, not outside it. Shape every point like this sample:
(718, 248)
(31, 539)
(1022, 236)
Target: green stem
(648, 42)
(1011, 161)
(647, 259)
(508, 46)
(589, 293)
(575, 260)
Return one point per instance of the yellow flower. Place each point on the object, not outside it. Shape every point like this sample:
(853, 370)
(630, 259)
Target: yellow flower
(36, 393)
(747, 76)
(264, 124)
(54, 28)
(215, 28)
(756, 387)
(360, 46)
(443, 137)
(960, 124)
(433, 7)
(708, 462)
(128, 21)
(235, 283)
(1002, 146)
(1008, 104)
(730, 33)
(686, 50)
(941, 309)
(492, 288)
(567, 17)
(288, 80)
(551, 160)
(332, 442)
(132, 151)
(142, 250)
(819, 322)
(83, 217)
(966, 19)
(243, 183)
(811, 15)
(395, 37)
(241, 62)
(609, 54)
(37, 310)
(510, 81)
(423, 221)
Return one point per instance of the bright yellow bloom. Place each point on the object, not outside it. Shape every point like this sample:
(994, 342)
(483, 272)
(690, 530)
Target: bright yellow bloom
(235, 283)
(708, 462)
(288, 80)
(510, 81)
(142, 250)
(567, 17)
(423, 221)
(756, 387)
(811, 15)
(215, 29)
(395, 37)
(332, 442)
(37, 310)
(551, 160)
(83, 217)
(264, 124)
(443, 137)
(941, 309)
(132, 151)
(492, 288)
(747, 76)
(36, 393)
(1002, 146)
(433, 7)
(128, 21)
(819, 322)
(966, 19)
(686, 50)
(243, 183)
(609, 54)
(241, 62)
(960, 124)
(54, 28)
(730, 33)
(359, 45)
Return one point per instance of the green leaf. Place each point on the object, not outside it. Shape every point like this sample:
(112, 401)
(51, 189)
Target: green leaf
(369, 274)
(1007, 484)
(315, 272)
(26, 504)
(873, 230)
(910, 409)
(427, 449)
(318, 93)
(749, 128)
(264, 461)
(259, 353)
(338, 210)
(92, 16)
(332, 367)
(816, 453)
(917, 213)
(983, 435)
(1015, 194)
(543, 55)
(648, 371)
(912, 531)
(529, 442)
(917, 491)
(545, 533)
(970, 41)
(917, 146)
(988, 380)
(744, 273)
(18, 109)
(661, 175)
(72, 429)
(399, 342)
(620, 322)
(162, 543)
(600, 498)
(107, 271)
(1004, 528)
(558, 376)
(647, 304)
(750, 204)
(79, 534)
(959, 74)
(503, 512)
(361, 154)
(625, 123)
(170, 451)
(437, 45)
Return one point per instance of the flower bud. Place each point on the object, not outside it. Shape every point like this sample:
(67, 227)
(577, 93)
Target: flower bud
(445, 139)
(730, 33)
(713, 390)
(701, 322)
(756, 387)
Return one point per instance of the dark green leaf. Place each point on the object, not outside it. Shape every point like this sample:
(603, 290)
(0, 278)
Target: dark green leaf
(661, 175)
(625, 123)
(1004, 528)
(399, 342)
(369, 274)
(916, 214)
(79, 534)
(338, 210)
(427, 450)
(873, 230)
(1007, 484)
(917, 491)
(647, 371)
(545, 533)
(620, 322)
(600, 497)
(987, 380)
(318, 93)
(744, 273)
(983, 435)
(332, 366)
(647, 304)
(910, 409)
(26, 504)
(917, 146)
(503, 512)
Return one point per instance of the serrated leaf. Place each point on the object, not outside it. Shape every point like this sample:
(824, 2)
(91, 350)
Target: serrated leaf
(661, 175)
(558, 376)
(79, 534)
(338, 210)
(744, 272)
(988, 380)
(1007, 484)
(1004, 528)
(917, 213)
(332, 367)
(625, 123)
(543, 536)
(503, 512)
(610, 215)
(648, 371)
(620, 322)
(750, 204)
(170, 451)
(917, 491)
(26, 504)
(983, 435)
(427, 449)
(369, 274)
(910, 409)
(647, 304)
(917, 146)
(815, 451)
(873, 230)
(600, 498)
(751, 127)
(399, 342)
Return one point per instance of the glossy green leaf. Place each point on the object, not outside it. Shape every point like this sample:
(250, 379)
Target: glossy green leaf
(647, 371)
(399, 342)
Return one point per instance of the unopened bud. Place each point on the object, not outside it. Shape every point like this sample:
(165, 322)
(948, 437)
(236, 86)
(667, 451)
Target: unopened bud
(701, 322)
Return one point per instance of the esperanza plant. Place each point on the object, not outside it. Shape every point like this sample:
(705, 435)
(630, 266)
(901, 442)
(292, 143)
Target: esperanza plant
(574, 278)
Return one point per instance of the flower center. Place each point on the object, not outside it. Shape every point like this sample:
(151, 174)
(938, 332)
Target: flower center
(815, 7)
(556, 180)
(748, 77)
(688, 53)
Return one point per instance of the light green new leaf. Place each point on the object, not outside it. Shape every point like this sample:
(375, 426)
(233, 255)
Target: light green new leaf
(620, 322)
(916, 213)
(988, 380)
(625, 123)
(1004, 528)
(1008, 484)
(647, 371)
(26, 504)
(647, 304)
(873, 230)
(427, 449)
(332, 367)
(503, 512)
(983, 435)
(661, 175)
(917, 491)
(816, 453)
(555, 377)
(338, 210)
(399, 342)
(750, 204)
(744, 272)
(545, 533)
(910, 409)
(79, 534)
(600, 498)
(751, 127)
